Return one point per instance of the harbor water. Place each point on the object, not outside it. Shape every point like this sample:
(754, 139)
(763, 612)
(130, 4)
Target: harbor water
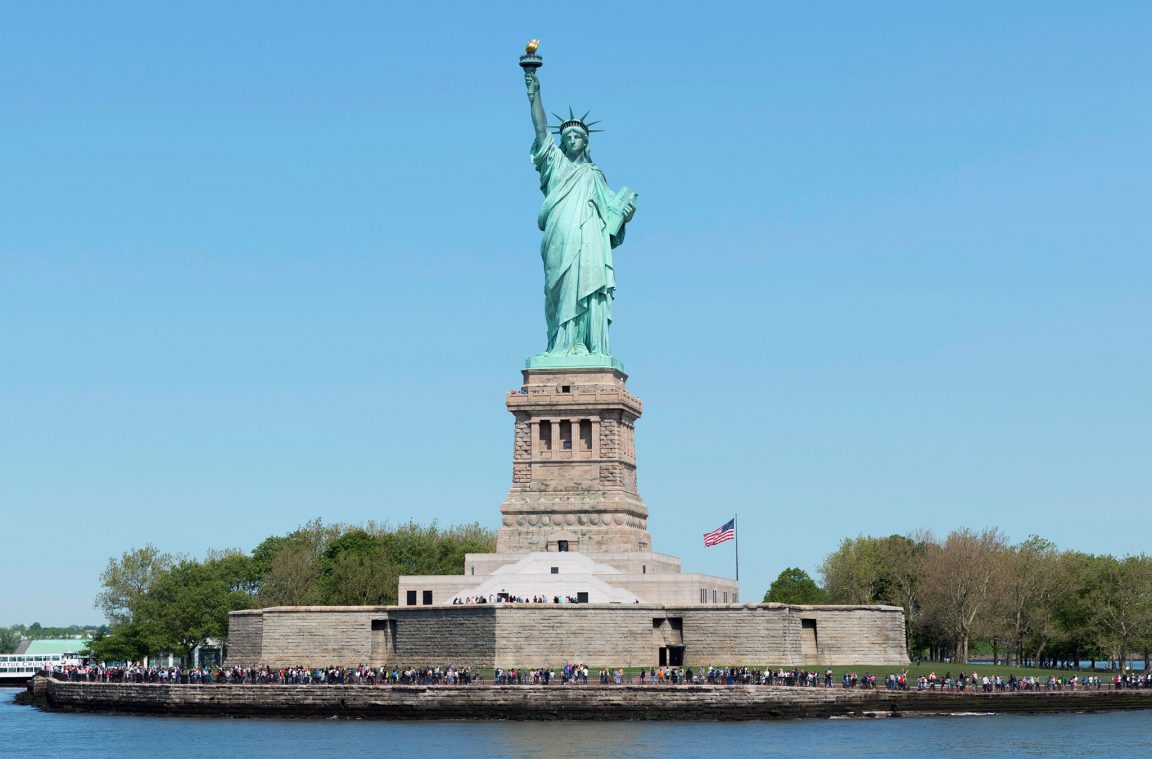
(29, 732)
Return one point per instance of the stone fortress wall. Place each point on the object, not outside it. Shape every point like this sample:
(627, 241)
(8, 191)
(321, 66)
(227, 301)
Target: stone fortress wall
(527, 635)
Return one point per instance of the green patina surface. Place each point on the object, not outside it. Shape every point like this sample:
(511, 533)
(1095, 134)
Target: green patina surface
(582, 221)
(573, 362)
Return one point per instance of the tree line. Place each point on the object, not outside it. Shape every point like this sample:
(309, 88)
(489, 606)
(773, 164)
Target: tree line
(158, 602)
(1029, 603)
(11, 637)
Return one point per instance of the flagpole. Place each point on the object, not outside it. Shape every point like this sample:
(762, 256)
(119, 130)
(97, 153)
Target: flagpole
(736, 530)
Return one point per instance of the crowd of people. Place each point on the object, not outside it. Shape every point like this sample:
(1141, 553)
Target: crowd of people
(999, 684)
(569, 673)
(579, 674)
(299, 675)
(508, 598)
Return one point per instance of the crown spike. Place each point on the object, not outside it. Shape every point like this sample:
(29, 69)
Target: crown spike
(573, 121)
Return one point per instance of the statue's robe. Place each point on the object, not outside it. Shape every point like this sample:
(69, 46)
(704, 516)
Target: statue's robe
(577, 250)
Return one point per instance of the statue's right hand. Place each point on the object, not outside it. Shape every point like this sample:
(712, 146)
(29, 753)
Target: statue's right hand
(531, 82)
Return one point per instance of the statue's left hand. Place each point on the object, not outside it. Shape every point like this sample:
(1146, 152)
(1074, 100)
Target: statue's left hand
(629, 212)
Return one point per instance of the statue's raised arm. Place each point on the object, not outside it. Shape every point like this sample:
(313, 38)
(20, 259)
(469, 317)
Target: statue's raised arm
(539, 120)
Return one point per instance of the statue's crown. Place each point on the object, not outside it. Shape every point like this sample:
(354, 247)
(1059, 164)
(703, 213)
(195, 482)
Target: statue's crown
(572, 121)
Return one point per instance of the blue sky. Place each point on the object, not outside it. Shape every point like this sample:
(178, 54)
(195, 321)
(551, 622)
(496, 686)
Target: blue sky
(263, 262)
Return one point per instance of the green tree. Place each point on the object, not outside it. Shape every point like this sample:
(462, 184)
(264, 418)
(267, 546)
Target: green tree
(867, 570)
(460, 540)
(126, 580)
(336, 564)
(294, 566)
(426, 549)
(1032, 578)
(794, 586)
(126, 644)
(357, 571)
(904, 559)
(1122, 603)
(364, 564)
(1075, 634)
(190, 603)
(265, 554)
(960, 584)
(160, 603)
(9, 639)
(853, 573)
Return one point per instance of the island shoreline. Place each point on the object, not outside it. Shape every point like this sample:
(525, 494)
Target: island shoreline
(557, 702)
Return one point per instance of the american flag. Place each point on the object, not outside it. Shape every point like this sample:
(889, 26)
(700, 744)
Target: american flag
(720, 534)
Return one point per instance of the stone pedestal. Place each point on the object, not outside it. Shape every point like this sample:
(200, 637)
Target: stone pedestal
(574, 465)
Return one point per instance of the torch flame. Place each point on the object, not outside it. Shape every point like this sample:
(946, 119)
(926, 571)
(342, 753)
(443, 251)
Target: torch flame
(530, 48)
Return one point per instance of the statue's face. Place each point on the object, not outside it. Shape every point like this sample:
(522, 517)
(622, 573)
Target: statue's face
(573, 141)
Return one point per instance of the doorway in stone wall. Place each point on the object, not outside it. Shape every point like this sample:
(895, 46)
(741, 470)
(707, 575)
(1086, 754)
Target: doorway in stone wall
(383, 639)
(809, 642)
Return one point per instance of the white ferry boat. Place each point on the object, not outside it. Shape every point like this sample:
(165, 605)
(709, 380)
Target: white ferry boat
(18, 669)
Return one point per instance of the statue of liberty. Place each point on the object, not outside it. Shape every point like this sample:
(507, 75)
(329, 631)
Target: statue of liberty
(582, 221)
